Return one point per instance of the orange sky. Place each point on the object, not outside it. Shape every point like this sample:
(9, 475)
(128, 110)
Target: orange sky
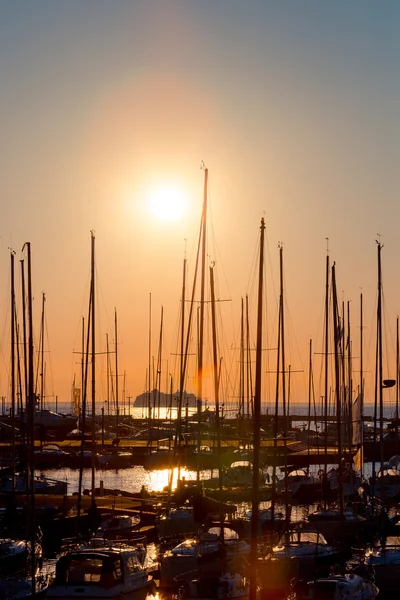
(293, 111)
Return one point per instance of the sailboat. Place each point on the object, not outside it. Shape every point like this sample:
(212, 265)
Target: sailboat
(25, 554)
(337, 522)
(110, 571)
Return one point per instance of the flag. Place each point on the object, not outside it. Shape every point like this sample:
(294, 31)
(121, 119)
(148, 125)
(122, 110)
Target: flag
(77, 400)
(357, 460)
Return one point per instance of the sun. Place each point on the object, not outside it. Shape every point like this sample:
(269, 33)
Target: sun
(166, 203)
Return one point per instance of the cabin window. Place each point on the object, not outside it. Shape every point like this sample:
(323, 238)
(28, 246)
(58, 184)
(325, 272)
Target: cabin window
(84, 570)
(132, 565)
(117, 572)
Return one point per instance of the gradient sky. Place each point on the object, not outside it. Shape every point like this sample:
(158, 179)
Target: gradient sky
(292, 105)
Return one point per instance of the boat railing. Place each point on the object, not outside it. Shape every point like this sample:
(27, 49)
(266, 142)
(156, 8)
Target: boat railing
(87, 541)
(186, 577)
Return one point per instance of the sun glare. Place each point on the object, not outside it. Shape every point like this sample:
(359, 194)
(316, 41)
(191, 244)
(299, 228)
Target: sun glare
(166, 203)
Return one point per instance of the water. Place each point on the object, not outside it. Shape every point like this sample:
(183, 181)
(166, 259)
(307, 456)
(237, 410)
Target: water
(131, 479)
(229, 410)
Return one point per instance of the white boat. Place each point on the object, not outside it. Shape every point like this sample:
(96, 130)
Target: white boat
(15, 555)
(101, 572)
(176, 521)
(334, 524)
(299, 483)
(50, 420)
(387, 484)
(238, 474)
(20, 588)
(50, 456)
(228, 585)
(265, 521)
(384, 559)
(305, 545)
(338, 587)
(204, 557)
(120, 526)
(350, 481)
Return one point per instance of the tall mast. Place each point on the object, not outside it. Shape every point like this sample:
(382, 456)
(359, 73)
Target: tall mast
(310, 381)
(42, 355)
(182, 364)
(159, 361)
(257, 417)
(248, 360)
(241, 405)
(13, 365)
(380, 374)
(93, 352)
(80, 415)
(149, 368)
(349, 378)
(85, 379)
(31, 422)
(276, 415)
(202, 294)
(216, 390)
(326, 359)
(116, 373)
(337, 338)
(362, 385)
(397, 386)
(109, 394)
(285, 412)
(25, 354)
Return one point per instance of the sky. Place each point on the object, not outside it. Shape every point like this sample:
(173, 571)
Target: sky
(292, 106)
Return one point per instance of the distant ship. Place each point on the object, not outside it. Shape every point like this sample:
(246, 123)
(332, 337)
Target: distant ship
(164, 400)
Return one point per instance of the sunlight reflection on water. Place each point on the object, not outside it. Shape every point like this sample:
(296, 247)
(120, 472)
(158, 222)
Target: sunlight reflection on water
(130, 480)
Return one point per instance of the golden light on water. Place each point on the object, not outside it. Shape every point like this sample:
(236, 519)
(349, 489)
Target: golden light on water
(158, 480)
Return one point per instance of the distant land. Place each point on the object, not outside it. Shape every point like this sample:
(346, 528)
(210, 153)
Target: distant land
(156, 397)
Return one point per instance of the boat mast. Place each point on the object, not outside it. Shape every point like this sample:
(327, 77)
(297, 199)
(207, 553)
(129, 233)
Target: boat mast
(256, 423)
(24, 339)
(397, 387)
(159, 362)
(85, 373)
(248, 361)
(12, 254)
(182, 367)
(42, 355)
(337, 338)
(93, 352)
(310, 390)
(149, 370)
(361, 388)
(349, 380)
(202, 303)
(31, 423)
(285, 413)
(380, 373)
(326, 358)
(216, 392)
(241, 401)
(276, 416)
(116, 374)
(108, 370)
